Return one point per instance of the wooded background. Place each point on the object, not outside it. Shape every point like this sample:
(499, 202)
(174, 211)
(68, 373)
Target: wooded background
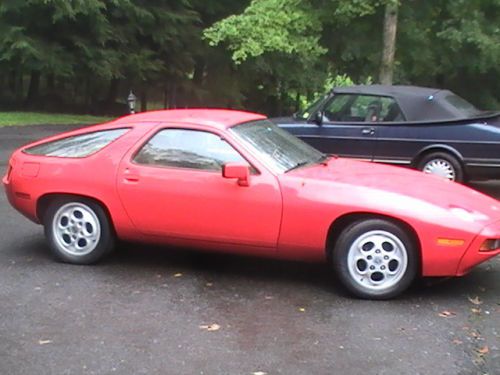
(264, 55)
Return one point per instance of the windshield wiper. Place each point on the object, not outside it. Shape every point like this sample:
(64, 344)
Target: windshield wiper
(323, 159)
(298, 165)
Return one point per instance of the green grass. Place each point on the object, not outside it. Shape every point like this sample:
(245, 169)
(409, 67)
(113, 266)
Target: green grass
(34, 118)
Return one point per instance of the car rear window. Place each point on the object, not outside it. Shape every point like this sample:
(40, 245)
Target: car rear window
(462, 105)
(77, 146)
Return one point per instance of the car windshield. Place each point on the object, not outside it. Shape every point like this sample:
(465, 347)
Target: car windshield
(313, 108)
(276, 147)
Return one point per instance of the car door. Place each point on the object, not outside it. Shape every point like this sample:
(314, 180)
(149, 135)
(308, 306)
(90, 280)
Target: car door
(397, 140)
(172, 186)
(348, 126)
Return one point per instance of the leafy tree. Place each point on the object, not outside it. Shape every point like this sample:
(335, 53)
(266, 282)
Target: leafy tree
(265, 55)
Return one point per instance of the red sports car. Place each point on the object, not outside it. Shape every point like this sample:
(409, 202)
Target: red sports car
(233, 181)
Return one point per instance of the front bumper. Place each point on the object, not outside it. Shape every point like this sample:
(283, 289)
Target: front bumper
(473, 256)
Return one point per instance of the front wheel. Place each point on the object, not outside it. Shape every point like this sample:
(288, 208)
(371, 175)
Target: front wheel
(78, 230)
(375, 259)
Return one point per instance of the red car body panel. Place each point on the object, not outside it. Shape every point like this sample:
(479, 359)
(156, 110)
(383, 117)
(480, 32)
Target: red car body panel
(285, 215)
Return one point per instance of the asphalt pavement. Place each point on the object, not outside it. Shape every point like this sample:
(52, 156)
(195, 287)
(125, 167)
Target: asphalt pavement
(149, 310)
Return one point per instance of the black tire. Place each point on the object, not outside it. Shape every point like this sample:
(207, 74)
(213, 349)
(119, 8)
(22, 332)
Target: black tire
(85, 220)
(448, 160)
(353, 248)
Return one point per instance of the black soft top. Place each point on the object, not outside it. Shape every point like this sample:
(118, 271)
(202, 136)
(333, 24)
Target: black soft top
(419, 103)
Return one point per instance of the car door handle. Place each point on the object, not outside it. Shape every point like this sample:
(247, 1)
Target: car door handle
(368, 131)
(130, 176)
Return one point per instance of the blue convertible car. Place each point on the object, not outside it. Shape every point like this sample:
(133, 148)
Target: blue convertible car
(429, 129)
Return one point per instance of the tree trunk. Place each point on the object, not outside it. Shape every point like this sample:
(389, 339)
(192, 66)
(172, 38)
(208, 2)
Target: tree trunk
(297, 102)
(51, 83)
(12, 82)
(88, 101)
(165, 97)
(114, 86)
(144, 99)
(199, 71)
(172, 95)
(20, 88)
(34, 87)
(389, 42)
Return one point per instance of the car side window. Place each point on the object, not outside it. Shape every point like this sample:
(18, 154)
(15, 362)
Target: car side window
(335, 110)
(363, 108)
(371, 108)
(390, 111)
(188, 149)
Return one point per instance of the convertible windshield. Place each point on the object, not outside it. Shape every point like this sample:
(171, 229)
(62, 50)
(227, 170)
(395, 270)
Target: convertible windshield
(277, 147)
(313, 108)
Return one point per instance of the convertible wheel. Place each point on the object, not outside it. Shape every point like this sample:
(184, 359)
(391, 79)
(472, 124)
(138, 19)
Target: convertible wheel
(78, 230)
(443, 165)
(375, 259)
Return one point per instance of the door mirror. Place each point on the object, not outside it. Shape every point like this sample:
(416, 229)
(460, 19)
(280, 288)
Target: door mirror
(318, 118)
(239, 171)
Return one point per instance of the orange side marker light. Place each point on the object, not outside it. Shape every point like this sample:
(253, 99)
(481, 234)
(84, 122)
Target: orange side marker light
(449, 242)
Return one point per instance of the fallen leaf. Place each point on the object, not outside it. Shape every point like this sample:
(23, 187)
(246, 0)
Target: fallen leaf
(268, 297)
(178, 274)
(475, 300)
(259, 373)
(482, 289)
(476, 311)
(302, 309)
(446, 314)
(484, 350)
(475, 335)
(457, 342)
(210, 327)
(209, 284)
(43, 342)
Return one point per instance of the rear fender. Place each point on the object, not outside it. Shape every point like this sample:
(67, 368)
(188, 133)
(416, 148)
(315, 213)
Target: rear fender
(437, 148)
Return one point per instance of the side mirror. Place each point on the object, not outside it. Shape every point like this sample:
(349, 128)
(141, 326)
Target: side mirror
(318, 118)
(239, 171)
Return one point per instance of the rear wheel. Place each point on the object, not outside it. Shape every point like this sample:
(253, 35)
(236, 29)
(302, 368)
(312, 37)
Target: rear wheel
(443, 165)
(78, 230)
(375, 259)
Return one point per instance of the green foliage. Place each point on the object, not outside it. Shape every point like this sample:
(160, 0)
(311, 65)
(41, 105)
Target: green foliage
(33, 118)
(262, 55)
(285, 26)
(339, 80)
(96, 39)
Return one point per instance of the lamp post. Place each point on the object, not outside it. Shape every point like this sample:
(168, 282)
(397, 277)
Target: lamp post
(131, 99)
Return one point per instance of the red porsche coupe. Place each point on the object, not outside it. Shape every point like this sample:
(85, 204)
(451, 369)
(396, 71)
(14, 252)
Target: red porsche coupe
(233, 181)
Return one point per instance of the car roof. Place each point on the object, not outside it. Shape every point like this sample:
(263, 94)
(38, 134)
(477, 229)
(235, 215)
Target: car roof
(216, 118)
(396, 90)
(417, 103)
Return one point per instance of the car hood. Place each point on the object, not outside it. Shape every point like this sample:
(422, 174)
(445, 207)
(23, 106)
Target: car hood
(398, 188)
(285, 120)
